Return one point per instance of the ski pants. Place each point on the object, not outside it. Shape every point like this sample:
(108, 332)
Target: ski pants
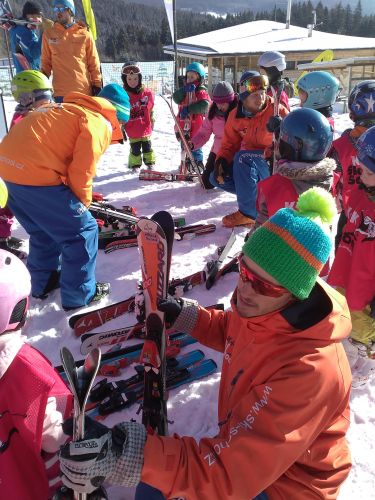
(136, 147)
(249, 167)
(146, 492)
(63, 234)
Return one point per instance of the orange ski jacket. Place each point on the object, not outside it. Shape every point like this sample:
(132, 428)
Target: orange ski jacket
(244, 133)
(283, 408)
(71, 56)
(60, 144)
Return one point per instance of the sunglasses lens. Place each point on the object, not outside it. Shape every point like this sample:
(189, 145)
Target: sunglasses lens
(260, 286)
(59, 9)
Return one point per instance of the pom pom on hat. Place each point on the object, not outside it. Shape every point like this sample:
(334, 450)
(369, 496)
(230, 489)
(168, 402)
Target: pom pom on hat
(118, 98)
(293, 245)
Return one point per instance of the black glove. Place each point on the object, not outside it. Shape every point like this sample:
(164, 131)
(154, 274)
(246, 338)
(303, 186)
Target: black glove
(222, 169)
(95, 90)
(273, 124)
(171, 307)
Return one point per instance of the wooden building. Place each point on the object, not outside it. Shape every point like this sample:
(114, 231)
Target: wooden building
(228, 52)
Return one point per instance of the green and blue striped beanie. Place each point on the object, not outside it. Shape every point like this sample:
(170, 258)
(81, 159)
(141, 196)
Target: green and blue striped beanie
(118, 98)
(293, 245)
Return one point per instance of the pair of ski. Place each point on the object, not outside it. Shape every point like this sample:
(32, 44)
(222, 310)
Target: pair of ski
(85, 322)
(120, 335)
(112, 362)
(81, 381)
(189, 169)
(107, 397)
(110, 244)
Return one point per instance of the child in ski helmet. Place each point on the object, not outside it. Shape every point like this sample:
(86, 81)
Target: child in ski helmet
(319, 90)
(304, 139)
(348, 172)
(34, 401)
(223, 101)
(353, 269)
(31, 89)
(273, 64)
(240, 162)
(141, 122)
(193, 102)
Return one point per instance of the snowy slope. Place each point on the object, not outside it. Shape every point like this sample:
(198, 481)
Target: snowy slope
(192, 408)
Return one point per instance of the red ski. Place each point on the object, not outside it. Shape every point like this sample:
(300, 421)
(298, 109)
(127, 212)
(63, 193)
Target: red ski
(152, 175)
(87, 321)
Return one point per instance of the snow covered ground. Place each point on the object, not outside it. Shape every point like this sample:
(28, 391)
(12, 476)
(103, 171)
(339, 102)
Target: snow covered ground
(191, 408)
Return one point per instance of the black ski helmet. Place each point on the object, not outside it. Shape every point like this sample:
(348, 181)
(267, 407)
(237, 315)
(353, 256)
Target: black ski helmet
(131, 68)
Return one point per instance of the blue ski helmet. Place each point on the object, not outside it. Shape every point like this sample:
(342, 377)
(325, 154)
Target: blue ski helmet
(365, 147)
(321, 87)
(198, 68)
(362, 100)
(305, 135)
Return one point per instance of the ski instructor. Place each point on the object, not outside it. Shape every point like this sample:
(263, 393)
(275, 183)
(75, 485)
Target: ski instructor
(48, 162)
(285, 384)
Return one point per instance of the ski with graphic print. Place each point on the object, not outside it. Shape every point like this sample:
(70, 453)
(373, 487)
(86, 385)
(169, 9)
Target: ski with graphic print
(87, 321)
(155, 241)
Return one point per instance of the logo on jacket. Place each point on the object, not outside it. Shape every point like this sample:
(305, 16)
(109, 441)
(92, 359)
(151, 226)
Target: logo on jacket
(367, 227)
(229, 345)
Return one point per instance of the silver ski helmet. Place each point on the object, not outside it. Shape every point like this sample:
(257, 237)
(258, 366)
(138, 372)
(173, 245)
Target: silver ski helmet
(272, 58)
(305, 135)
(321, 87)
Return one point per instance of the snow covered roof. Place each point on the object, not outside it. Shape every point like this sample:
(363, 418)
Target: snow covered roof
(259, 36)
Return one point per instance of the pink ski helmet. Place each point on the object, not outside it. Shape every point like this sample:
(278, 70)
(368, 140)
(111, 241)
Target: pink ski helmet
(15, 287)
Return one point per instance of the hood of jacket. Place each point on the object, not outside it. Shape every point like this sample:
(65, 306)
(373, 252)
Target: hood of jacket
(97, 105)
(304, 319)
(320, 173)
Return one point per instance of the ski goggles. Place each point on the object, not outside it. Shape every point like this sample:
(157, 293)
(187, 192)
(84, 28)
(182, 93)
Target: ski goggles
(60, 9)
(132, 69)
(254, 84)
(260, 285)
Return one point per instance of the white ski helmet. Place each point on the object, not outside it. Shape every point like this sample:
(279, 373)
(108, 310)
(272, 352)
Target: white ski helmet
(15, 287)
(272, 58)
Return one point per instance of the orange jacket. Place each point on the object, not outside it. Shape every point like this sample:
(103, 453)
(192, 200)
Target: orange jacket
(283, 408)
(243, 133)
(71, 55)
(60, 143)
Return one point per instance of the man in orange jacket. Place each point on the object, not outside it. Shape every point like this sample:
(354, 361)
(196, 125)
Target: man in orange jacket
(284, 390)
(69, 53)
(48, 161)
(240, 163)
